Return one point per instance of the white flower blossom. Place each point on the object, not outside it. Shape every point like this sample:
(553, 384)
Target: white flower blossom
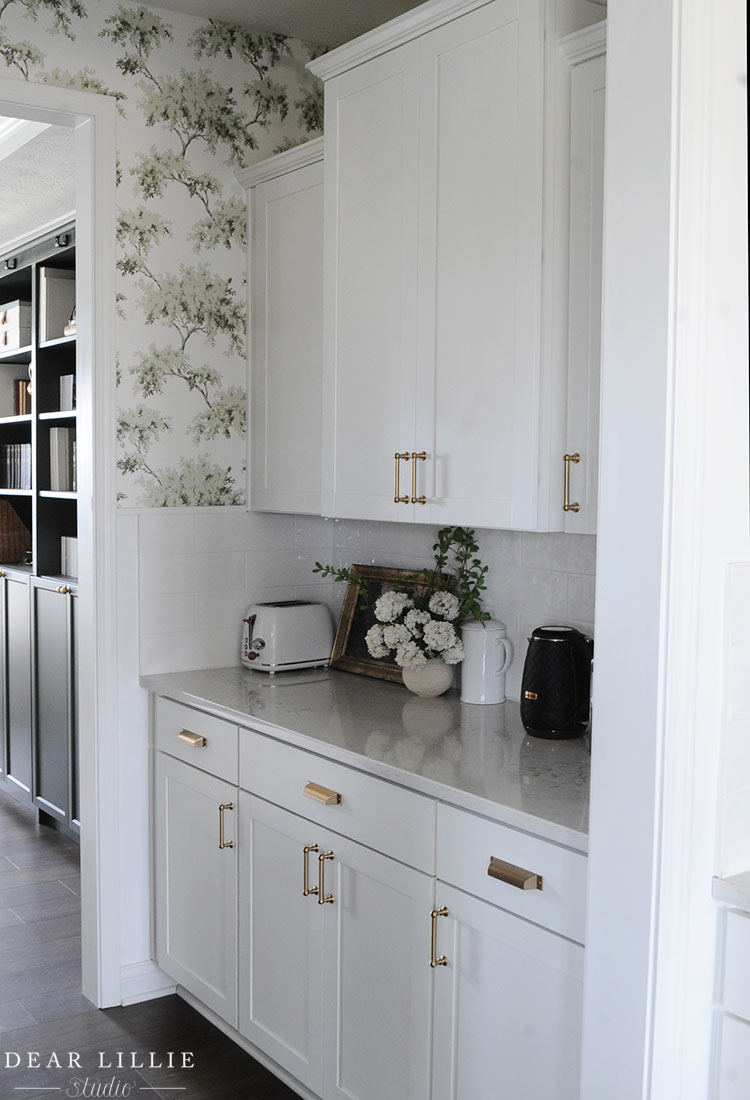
(455, 654)
(395, 634)
(444, 604)
(439, 636)
(374, 642)
(390, 606)
(409, 655)
(414, 621)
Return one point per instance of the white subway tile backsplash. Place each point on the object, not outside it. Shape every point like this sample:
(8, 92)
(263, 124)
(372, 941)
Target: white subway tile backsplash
(581, 592)
(314, 531)
(166, 531)
(197, 649)
(216, 531)
(168, 613)
(559, 552)
(181, 572)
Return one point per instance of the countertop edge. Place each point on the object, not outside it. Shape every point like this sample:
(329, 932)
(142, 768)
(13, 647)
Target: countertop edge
(733, 890)
(507, 815)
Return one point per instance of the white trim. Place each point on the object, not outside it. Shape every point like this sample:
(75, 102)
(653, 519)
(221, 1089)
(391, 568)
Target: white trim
(19, 243)
(583, 45)
(144, 982)
(282, 163)
(395, 33)
(93, 117)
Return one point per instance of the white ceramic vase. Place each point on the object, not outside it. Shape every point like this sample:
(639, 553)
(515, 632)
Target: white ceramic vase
(430, 680)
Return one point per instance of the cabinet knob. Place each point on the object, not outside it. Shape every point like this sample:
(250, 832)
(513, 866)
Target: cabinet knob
(514, 876)
(64, 589)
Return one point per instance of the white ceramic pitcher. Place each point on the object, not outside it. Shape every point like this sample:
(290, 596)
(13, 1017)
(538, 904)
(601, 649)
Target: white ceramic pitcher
(487, 654)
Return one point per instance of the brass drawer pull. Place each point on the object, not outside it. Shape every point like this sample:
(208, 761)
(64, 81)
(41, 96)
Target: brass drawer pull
(193, 739)
(323, 897)
(222, 842)
(307, 889)
(514, 876)
(434, 960)
(415, 458)
(63, 589)
(567, 506)
(321, 794)
(397, 498)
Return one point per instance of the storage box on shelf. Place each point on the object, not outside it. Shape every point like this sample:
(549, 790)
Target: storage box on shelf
(38, 530)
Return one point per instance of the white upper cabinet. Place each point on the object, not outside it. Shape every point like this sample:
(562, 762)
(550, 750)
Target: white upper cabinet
(286, 343)
(436, 225)
(585, 53)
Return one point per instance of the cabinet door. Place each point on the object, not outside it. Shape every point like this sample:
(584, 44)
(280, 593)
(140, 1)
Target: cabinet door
(480, 211)
(281, 960)
(16, 673)
(585, 302)
(370, 277)
(286, 251)
(508, 1006)
(376, 977)
(196, 883)
(54, 699)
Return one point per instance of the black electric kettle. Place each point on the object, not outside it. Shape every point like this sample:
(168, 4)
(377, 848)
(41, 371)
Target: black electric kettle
(556, 684)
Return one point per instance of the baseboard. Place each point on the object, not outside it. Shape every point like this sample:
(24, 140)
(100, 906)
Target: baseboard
(144, 981)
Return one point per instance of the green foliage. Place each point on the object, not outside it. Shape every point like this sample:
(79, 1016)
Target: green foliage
(140, 427)
(195, 483)
(269, 99)
(19, 55)
(84, 80)
(262, 51)
(226, 415)
(159, 167)
(141, 30)
(225, 224)
(310, 107)
(196, 300)
(61, 11)
(456, 570)
(139, 229)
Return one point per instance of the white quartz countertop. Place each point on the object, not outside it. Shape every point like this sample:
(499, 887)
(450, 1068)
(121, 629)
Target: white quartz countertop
(476, 757)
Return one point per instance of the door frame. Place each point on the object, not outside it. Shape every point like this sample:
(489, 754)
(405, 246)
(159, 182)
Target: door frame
(93, 121)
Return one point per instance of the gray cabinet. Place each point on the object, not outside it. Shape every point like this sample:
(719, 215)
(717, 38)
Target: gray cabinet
(54, 700)
(15, 685)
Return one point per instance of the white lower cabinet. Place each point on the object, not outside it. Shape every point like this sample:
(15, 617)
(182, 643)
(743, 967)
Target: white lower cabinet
(508, 1005)
(196, 883)
(335, 981)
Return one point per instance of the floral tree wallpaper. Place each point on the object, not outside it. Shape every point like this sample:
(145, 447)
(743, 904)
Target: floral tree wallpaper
(196, 100)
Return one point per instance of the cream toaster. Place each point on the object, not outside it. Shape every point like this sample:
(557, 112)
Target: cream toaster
(286, 634)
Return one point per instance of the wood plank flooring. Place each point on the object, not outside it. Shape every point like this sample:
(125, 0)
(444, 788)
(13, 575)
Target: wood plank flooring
(42, 1008)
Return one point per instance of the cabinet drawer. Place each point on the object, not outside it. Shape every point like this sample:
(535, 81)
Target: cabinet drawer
(385, 817)
(465, 846)
(197, 738)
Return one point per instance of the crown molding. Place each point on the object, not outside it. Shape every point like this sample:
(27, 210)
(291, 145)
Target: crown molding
(282, 163)
(585, 44)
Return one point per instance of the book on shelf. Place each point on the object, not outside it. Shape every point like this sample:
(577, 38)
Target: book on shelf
(67, 392)
(62, 465)
(57, 300)
(15, 465)
(68, 556)
(21, 397)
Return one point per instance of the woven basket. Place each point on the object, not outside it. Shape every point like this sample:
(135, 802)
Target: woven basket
(15, 537)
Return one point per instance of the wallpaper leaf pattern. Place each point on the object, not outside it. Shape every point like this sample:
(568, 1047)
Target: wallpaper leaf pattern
(198, 99)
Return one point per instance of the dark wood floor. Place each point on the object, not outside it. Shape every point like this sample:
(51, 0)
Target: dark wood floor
(42, 1009)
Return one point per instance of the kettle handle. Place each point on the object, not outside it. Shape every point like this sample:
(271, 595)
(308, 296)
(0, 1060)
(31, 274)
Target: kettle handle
(508, 647)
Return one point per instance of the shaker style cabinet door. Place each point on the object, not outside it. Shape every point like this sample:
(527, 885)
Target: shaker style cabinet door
(585, 300)
(16, 685)
(286, 351)
(196, 883)
(508, 1005)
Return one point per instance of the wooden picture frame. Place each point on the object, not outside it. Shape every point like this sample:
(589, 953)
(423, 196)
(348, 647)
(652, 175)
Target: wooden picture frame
(349, 648)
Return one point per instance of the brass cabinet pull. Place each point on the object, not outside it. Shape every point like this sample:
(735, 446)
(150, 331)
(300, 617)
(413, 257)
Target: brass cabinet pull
(323, 897)
(416, 457)
(307, 889)
(321, 794)
(63, 589)
(567, 506)
(434, 961)
(193, 739)
(222, 842)
(514, 876)
(2, 574)
(397, 498)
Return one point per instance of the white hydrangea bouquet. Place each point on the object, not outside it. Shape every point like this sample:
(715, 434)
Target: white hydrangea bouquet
(415, 634)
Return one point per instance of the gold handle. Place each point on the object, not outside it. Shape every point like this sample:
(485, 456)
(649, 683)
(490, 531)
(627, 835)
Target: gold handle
(63, 589)
(2, 574)
(434, 961)
(222, 842)
(321, 794)
(323, 897)
(193, 739)
(514, 876)
(415, 458)
(567, 506)
(307, 889)
(397, 498)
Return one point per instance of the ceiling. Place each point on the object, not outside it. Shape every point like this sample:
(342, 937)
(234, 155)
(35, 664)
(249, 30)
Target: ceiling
(326, 22)
(36, 181)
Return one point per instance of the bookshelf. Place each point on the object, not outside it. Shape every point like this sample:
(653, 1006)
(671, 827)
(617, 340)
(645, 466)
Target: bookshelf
(39, 528)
